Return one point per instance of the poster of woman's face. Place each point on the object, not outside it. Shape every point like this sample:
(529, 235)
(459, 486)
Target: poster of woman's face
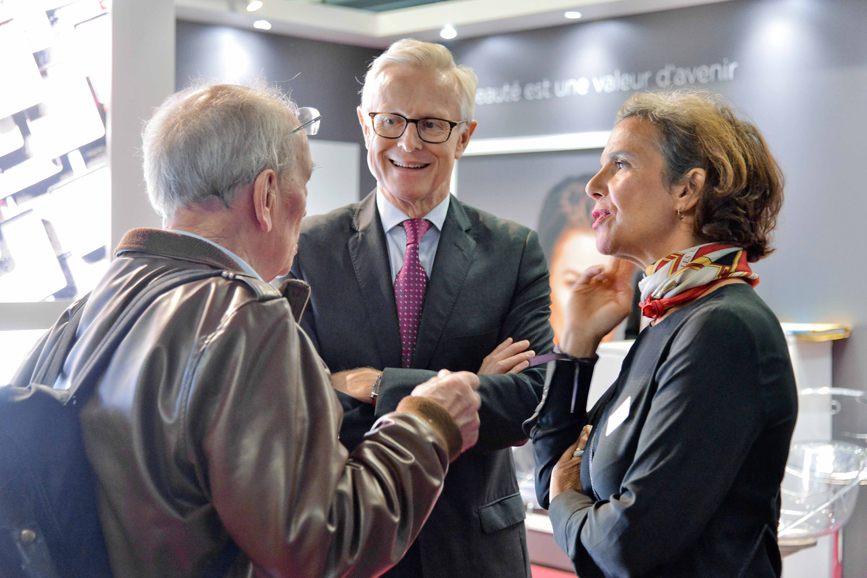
(566, 234)
(546, 192)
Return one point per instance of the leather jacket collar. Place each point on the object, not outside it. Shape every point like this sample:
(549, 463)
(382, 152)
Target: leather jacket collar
(176, 246)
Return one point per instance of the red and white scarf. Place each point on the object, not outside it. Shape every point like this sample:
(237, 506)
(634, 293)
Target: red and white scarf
(687, 275)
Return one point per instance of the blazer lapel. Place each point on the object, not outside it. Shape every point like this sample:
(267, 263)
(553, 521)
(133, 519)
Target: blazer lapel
(369, 256)
(455, 254)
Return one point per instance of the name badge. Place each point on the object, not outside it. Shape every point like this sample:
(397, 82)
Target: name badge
(618, 417)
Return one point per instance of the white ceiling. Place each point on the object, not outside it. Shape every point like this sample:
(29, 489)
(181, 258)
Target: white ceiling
(311, 19)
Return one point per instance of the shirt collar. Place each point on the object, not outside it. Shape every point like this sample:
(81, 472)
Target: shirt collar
(391, 216)
(244, 265)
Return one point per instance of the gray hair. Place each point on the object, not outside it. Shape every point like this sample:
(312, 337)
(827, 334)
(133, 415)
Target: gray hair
(207, 141)
(416, 54)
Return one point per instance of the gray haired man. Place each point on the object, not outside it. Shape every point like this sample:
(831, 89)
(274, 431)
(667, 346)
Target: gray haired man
(410, 281)
(213, 431)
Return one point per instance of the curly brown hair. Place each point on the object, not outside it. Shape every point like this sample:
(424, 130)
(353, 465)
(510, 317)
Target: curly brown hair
(743, 189)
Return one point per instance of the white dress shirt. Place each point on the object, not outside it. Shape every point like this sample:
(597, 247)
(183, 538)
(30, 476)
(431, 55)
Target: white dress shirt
(244, 265)
(395, 235)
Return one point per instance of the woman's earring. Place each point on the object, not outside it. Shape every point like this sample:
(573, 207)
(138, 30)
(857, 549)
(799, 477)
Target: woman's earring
(679, 214)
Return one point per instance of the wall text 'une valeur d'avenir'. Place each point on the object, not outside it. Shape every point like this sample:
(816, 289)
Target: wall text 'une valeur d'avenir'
(668, 76)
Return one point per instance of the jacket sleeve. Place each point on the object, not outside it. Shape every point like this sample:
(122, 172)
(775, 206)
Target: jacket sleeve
(507, 400)
(261, 433)
(705, 415)
(560, 416)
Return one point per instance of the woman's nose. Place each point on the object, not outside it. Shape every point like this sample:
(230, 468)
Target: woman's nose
(596, 186)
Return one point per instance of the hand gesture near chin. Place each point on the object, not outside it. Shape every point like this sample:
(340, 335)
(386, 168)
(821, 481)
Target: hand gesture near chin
(600, 300)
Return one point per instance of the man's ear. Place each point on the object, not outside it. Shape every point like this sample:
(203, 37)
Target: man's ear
(464, 138)
(688, 191)
(365, 127)
(264, 198)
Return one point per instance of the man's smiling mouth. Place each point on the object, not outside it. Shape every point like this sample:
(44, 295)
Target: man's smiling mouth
(408, 165)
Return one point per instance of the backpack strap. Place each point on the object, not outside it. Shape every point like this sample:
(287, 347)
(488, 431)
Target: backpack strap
(97, 363)
(61, 343)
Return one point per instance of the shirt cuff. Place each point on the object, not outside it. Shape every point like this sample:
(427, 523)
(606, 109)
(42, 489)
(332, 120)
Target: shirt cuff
(564, 395)
(558, 355)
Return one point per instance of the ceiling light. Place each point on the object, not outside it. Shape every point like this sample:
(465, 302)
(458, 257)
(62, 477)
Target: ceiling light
(254, 5)
(448, 32)
(571, 15)
(262, 25)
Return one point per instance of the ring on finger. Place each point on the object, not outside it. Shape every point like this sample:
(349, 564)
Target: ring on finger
(577, 453)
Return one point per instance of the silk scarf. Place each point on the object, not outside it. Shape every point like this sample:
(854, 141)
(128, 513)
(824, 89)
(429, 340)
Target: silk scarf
(687, 275)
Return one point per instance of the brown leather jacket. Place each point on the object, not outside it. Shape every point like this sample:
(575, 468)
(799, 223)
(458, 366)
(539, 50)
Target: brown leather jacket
(213, 434)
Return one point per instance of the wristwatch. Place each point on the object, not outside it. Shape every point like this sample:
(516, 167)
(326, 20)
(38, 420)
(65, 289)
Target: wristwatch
(375, 392)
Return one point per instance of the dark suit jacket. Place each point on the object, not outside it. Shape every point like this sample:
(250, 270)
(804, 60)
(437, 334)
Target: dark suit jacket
(489, 281)
(681, 474)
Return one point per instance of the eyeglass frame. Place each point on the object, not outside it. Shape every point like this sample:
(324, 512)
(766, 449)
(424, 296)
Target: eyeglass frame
(415, 121)
(310, 122)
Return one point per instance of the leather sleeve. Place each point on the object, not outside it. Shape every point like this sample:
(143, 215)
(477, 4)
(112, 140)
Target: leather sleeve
(261, 429)
(507, 400)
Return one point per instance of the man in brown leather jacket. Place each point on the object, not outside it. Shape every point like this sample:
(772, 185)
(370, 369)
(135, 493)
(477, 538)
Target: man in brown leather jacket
(213, 431)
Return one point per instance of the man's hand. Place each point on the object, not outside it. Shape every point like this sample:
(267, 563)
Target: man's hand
(456, 392)
(508, 357)
(357, 383)
(567, 473)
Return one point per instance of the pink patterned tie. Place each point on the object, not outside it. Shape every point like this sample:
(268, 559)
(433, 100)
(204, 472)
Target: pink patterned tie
(409, 289)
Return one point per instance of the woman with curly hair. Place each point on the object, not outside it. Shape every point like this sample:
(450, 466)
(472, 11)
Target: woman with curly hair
(676, 470)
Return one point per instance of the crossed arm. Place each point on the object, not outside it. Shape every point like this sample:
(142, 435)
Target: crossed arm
(509, 357)
(509, 389)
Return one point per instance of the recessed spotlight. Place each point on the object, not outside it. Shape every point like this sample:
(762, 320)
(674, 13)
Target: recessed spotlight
(572, 15)
(254, 5)
(262, 25)
(448, 32)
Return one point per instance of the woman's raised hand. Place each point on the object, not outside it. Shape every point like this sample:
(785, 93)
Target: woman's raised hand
(600, 300)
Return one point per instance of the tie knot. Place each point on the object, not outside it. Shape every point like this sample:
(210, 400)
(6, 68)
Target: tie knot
(415, 230)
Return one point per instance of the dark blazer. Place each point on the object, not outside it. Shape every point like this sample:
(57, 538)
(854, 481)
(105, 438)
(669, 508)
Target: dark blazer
(489, 281)
(681, 474)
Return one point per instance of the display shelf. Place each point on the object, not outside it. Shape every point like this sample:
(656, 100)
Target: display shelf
(817, 331)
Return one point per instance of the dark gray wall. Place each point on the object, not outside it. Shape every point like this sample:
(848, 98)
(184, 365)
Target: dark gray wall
(514, 186)
(320, 74)
(801, 77)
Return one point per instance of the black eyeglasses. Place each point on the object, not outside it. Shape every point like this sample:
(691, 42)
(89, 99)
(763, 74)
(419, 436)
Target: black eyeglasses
(309, 118)
(432, 130)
